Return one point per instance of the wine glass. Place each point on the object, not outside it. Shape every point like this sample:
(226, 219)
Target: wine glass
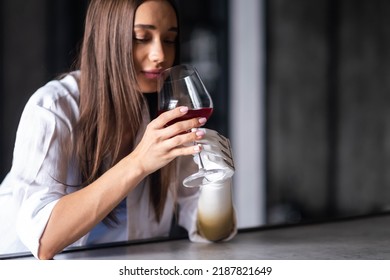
(181, 85)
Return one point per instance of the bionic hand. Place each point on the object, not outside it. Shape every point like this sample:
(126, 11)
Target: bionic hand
(216, 154)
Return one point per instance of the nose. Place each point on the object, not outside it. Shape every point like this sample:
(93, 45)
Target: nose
(157, 54)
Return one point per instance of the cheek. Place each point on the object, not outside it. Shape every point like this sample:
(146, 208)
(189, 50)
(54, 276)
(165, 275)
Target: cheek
(170, 56)
(137, 58)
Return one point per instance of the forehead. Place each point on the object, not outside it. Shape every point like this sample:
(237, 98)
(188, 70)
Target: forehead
(157, 13)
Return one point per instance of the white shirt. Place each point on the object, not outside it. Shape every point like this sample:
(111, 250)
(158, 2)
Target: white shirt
(41, 166)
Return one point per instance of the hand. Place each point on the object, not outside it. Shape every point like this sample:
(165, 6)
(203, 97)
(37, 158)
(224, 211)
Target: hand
(216, 152)
(161, 144)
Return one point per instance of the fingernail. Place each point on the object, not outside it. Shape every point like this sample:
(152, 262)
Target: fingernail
(184, 109)
(199, 133)
(202, 120)
(197, 148)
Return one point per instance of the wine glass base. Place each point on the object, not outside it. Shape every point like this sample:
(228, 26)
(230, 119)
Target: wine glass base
(203, 177)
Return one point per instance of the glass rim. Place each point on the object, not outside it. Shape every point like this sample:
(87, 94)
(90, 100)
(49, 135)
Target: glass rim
(175, 68)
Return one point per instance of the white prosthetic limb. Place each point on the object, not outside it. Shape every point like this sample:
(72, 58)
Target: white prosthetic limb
(216, 215)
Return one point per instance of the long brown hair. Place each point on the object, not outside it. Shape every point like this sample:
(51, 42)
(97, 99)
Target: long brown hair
(110, 101)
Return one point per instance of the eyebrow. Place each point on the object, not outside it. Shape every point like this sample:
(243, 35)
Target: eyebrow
(152, 27)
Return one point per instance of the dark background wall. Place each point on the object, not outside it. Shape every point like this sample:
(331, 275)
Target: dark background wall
(39, 40)
(328, 108)
(328, 146)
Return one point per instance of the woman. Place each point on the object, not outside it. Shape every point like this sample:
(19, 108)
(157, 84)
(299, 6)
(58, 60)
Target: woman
(89, 166)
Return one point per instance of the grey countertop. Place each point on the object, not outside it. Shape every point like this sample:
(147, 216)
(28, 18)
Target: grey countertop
(365, 238)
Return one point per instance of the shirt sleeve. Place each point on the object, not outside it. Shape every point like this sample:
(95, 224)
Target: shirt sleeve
(40, 166)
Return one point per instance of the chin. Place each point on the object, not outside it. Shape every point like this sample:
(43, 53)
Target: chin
(148, 90)
(148, 87)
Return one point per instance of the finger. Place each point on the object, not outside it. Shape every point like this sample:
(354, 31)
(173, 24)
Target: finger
(186, 151)
(185, 126)
(184, 139)
(164, 118)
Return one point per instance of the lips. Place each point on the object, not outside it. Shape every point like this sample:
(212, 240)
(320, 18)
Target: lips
(152, 74)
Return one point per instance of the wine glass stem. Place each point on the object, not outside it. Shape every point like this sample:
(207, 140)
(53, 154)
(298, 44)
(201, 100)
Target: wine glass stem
(201, 168)
(200, 162)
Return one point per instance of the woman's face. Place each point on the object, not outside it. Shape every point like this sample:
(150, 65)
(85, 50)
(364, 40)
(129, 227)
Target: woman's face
(155, 32)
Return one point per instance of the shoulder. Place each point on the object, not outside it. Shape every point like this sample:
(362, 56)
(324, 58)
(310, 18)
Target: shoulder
(55, 91)
(58, 97)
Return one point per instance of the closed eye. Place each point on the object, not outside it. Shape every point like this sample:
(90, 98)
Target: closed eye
(171, 42)
(141, 40)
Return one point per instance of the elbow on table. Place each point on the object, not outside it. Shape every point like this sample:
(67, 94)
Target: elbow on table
(45, 254)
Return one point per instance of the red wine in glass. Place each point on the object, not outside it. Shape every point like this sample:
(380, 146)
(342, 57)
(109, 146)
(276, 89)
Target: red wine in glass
(192, 113)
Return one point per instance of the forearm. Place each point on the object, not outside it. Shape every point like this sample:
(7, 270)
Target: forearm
(77, 213)
(216, 217)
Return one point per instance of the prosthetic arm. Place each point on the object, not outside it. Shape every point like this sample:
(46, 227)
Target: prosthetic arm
(216, 215)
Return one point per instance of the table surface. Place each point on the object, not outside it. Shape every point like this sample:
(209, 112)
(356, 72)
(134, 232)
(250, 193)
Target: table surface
(365, 238)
